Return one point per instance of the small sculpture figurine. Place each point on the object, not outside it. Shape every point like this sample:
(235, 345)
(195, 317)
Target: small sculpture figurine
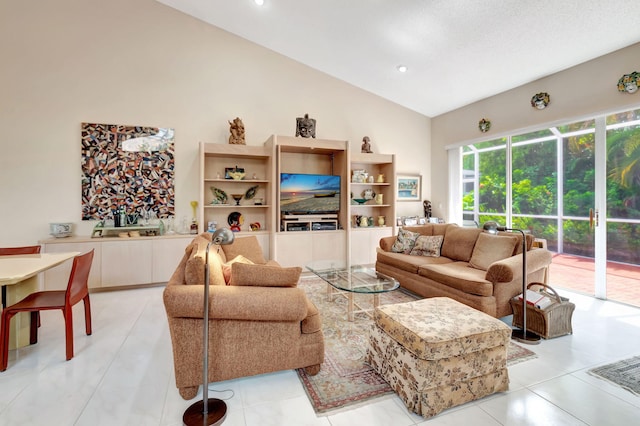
(540, 100)
(366, 145)
(427, 208)
(629, 82)
(306, 127)
(236, 127)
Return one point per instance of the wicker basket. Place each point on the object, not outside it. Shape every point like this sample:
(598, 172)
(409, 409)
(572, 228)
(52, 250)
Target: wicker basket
(553, 321)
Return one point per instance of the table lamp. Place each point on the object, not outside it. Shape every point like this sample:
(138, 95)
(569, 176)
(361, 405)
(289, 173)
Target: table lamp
(519, 335)
(209, 411)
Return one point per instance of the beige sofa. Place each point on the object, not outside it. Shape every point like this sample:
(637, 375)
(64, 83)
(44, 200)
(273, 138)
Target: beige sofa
(478, 269)
(259, 321)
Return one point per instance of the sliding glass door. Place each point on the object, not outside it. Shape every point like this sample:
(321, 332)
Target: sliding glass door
(577, 187)
(623, 206)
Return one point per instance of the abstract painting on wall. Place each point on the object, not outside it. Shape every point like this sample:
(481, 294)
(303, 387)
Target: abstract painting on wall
(129, 166)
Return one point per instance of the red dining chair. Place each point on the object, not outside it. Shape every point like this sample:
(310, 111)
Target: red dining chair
(6, 251)
(10, 251)
(77, 290)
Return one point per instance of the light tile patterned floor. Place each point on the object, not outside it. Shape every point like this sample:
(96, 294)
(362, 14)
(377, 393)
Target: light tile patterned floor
(123, 375)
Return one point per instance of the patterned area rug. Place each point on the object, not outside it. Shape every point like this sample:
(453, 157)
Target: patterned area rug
(625, 373)
(344, 378)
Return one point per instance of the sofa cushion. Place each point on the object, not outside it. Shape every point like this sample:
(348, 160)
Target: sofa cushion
(194, 267)
(249, 247)
(427, 246)
(491, 248)
(426, 230)
(518, 236)
(409, 263)
(458, 242)
(226, 267)
(264, 276)
(460, 276)
(404, 241)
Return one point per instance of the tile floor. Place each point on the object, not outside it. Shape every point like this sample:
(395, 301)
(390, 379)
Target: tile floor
(123, 375)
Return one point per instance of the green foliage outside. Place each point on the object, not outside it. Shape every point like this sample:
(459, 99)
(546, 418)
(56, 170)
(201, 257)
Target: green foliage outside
(535, 186)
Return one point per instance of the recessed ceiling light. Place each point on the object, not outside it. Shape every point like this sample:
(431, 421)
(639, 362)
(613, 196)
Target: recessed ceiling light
(259, 2)
(402, 68)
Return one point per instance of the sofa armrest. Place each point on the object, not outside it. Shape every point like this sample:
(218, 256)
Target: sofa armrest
(509, 269)
(237, 303)
(387, 242)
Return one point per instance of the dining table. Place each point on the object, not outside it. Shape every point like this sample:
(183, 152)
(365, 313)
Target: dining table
(19, 278)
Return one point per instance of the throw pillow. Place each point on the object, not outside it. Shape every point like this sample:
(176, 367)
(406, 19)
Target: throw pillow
(249, 247)
(459, 242)
(226, 267)
(264, 276)
(427, 246)
(491, 248)
(404, 241)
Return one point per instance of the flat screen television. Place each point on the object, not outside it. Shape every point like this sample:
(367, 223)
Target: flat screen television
(309, 193)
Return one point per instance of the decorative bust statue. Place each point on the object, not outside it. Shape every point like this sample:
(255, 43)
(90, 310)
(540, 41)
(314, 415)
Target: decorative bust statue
(306, 127)
(236, 127)
(366, 145)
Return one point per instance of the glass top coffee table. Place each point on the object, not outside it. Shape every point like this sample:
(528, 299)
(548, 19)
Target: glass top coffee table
(345, 280)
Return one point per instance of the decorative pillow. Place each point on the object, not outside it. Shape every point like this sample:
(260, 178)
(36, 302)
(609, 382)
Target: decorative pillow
(226, 267)
(264, 276)
(194, 267)
(491, 248)
(249, 247)
(459, 242)
(404, 241)
(427, 246)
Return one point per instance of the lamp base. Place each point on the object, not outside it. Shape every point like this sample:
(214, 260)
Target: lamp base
(194, 415)
(523, 337)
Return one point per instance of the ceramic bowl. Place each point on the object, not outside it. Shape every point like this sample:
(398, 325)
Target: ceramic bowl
(60, 230)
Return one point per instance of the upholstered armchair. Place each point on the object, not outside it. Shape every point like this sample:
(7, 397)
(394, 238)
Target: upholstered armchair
(259, 321)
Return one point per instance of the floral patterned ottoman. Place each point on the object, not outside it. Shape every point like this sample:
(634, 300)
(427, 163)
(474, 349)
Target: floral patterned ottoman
(437, 353)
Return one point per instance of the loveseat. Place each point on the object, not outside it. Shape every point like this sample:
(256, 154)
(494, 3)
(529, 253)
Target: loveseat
(478, 269)
(259, 321)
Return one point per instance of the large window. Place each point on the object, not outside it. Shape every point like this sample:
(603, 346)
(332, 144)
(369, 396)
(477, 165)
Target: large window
(544, 181)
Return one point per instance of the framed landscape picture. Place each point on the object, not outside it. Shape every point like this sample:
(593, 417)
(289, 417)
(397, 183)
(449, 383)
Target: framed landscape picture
(409, 187)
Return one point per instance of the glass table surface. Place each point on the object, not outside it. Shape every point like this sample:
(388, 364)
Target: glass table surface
(353, 278)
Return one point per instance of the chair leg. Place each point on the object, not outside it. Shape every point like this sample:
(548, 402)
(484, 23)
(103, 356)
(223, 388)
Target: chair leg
(87, 315)
(68, 331)
(33, 335)
(4, 339)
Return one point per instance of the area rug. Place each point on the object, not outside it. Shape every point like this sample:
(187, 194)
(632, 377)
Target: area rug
(625, 373)
(345, 379)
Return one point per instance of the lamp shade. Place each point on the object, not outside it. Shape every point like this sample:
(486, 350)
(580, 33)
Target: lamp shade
(222, 237)
(493, 227)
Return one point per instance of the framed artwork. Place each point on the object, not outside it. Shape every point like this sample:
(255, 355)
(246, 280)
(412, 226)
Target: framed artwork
(408, 187)
(130, 166)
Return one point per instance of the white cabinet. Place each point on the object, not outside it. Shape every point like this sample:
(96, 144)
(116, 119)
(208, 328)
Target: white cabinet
(301, 248)
(129, 263)
(119, 262)
(166, 255)
(364, 243)
(57, 278)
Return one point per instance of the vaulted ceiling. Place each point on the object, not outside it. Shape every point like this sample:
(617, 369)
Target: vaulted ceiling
(457, 51)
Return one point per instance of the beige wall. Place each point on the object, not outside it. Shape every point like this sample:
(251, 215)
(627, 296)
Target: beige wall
(138, 62)
(581, 91)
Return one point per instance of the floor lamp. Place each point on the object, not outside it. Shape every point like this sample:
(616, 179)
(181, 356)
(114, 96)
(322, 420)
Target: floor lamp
(519, 335)
(209, 411)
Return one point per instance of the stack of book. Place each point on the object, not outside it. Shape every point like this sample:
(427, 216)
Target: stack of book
(539, 300)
